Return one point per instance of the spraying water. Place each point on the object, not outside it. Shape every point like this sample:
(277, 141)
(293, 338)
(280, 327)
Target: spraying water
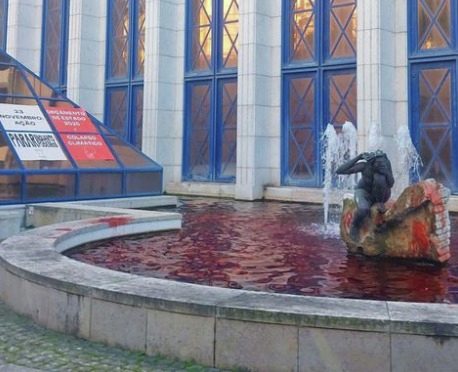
(374, 137)
(340, 147)
(410, 159)
(337, 148)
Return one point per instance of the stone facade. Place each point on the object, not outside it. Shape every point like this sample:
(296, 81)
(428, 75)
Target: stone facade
(381, 82)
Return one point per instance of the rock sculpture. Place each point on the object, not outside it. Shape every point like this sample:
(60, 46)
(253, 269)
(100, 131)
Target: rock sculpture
(416, 226)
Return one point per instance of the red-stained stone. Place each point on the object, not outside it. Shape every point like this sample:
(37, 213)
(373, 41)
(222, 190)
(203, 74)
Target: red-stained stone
(417, 225)
(114, 221)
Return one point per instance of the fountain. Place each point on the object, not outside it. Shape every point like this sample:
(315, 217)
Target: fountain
(409, 161)
(336, 147)
(259, 247)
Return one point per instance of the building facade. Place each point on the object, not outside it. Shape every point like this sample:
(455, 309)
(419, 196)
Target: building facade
(232, 96)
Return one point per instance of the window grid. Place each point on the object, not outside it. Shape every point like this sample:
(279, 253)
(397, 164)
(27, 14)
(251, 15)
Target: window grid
(125, 68)
(3, 23)
(211, 91)
(54, 51)
(319, 77)
(433, 65)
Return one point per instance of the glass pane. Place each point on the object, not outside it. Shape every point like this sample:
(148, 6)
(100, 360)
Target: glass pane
(434, 24)
(41, 89)
(117, 110)
(3, 23)
(138, 94)
(435, 97)
(53, 34)
(199, 112)
(93, 185)
(230, 33)
(128, 156)
(342, 98)
(50, 186)
(342, 29)
(228, 130)
(301, 129)
(138, 183)
(302, 159)
(302, 101)
(7, 159)
(12, 82)
(10, 187)
(53, 103)
(436, 154)
(18, 101)
(302, 30)
(119, 38)
(139, 70)
(202, 34)
(45, 164)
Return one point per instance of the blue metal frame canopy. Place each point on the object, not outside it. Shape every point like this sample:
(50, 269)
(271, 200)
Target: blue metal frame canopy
(53, 150)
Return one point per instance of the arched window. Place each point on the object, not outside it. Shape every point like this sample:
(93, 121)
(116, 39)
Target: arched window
(211, 90)
(319, 81)
(3, 22)
(433, 58)
(125, 68)
(54, 51)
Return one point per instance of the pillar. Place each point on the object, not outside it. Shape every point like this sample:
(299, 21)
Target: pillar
(86, 54)
(382, 72)
(164, 85)
(24, 32)
(259, 92)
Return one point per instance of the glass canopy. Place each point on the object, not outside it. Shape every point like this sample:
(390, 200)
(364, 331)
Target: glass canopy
(53, 150)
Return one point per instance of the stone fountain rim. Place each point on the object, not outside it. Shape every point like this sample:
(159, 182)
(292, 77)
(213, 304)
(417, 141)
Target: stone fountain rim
(35, 257)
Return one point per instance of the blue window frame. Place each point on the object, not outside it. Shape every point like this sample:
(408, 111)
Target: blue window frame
(3, 23)
(433, 63)
(54, 51)
(211, 91)
(125, 68)
(319, 81)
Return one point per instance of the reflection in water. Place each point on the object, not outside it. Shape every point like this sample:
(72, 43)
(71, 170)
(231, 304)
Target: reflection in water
(275, 247)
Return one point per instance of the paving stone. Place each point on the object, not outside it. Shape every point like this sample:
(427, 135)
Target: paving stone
(26, 347)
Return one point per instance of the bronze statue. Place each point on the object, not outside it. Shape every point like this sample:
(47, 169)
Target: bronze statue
(374, 187)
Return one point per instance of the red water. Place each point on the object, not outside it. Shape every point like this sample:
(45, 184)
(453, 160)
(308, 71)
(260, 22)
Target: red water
(274, 247)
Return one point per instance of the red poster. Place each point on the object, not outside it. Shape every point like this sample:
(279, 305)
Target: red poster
(87, 147)
(71, 120)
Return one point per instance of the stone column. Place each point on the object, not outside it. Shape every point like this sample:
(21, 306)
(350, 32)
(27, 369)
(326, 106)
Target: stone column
(86, 54)
(382, 72)
(24, 32)
(259, 91)
(164, 85)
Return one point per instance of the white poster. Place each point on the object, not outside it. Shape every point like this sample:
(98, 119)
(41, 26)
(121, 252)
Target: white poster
(36, 146)
(23, 118)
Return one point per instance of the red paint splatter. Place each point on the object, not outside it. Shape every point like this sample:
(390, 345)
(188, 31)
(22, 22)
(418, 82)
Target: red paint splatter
(115, 221)
(347, 220)
(420, 243)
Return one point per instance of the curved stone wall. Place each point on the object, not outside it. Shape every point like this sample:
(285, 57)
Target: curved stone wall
(214, 326)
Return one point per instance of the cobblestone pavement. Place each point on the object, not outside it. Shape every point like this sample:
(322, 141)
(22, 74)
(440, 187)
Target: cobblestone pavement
(24, 344)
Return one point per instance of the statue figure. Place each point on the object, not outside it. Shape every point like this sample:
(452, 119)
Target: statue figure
(373, 188)
(415, 226)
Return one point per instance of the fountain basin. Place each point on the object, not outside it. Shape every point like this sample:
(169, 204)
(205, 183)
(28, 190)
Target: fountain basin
(215, 326)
